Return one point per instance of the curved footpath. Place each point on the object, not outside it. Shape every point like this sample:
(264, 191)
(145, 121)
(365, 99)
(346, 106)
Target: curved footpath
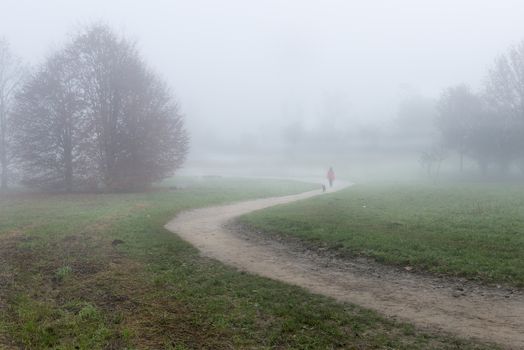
(486, 314)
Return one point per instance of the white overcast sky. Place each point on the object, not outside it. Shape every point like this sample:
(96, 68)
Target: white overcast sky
(236, 65)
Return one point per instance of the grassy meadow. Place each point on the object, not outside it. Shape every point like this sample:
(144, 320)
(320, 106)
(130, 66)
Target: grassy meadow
(469, 230)
(99, 271)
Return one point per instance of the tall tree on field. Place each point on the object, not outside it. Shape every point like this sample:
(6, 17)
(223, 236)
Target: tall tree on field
(96, 115)
(49, 127)
(12, 72)
(505, 96)
(459, 110)
(134, 119)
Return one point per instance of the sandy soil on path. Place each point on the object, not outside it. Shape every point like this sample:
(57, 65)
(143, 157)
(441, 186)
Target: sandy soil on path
(483, 313)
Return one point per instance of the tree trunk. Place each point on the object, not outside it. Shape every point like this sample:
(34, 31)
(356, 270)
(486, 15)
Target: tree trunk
(68, 159)
(68, 173)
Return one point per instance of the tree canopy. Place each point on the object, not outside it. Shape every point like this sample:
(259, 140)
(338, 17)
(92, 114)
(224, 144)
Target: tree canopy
(95, 116)
(488, 126)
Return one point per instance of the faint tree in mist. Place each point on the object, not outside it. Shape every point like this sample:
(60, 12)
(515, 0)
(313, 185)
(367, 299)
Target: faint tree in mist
(49, 127)
(110, 120)
(12, 72)
(470, 128)
(134, 119)
(458, 112)
(414, 125)
(431, 160)
(489, 127)
(416, 115)
(505, 97)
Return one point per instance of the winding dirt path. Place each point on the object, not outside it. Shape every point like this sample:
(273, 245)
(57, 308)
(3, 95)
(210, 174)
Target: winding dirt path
(486, 314)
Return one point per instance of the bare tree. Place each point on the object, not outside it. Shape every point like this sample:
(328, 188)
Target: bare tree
(49, 127)
(134, 118)
(431, 160)
(505, 96)
(459, 111)
(12, 73)
(488, 127)
(95, 115)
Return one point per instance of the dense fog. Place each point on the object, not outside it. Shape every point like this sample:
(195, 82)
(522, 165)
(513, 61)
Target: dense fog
(376, 89)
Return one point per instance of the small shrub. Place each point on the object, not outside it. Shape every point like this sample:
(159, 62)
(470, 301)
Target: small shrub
(88, 312)
(63, 273)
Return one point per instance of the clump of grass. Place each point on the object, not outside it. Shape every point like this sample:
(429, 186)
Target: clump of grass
(42, 324)
(89, 312)
(63, 273)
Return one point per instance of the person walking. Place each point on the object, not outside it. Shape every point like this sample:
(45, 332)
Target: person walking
(331, 176)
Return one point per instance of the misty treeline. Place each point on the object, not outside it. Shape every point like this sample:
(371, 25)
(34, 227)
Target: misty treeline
(468, 130)
(487, 126)
(337, 133)
(92, 116)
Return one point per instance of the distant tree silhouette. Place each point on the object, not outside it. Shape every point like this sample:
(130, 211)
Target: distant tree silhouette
(505, 96)
(487, 127)
(12, 72)
(458, 110)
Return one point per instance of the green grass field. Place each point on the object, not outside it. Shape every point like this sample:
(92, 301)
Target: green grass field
(470, 230)
(66, 284)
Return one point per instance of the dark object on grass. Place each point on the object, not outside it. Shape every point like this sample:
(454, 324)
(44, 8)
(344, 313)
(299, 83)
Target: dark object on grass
(117, 242)
(323, 188)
